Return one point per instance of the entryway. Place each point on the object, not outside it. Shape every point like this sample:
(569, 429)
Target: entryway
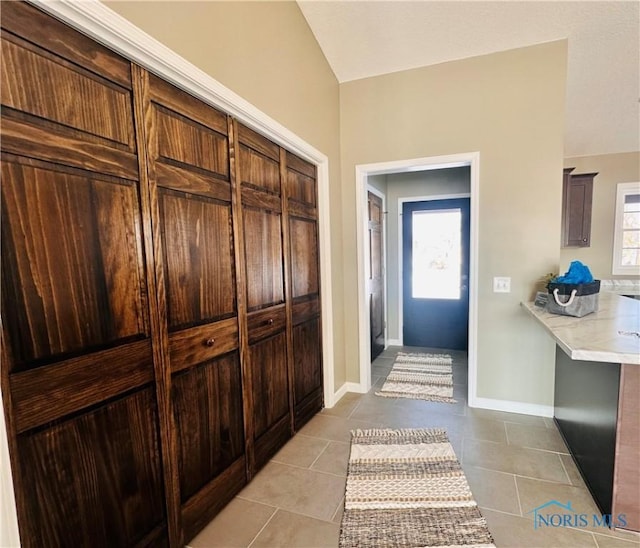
(365, 178)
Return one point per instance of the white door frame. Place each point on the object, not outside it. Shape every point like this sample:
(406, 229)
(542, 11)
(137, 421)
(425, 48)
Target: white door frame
(367, 258)
(401, 202)
(363, 171)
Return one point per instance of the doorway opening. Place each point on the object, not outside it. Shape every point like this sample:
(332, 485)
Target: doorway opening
(367, 173)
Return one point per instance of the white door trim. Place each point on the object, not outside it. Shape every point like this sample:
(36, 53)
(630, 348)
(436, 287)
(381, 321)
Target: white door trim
(401, 202)
(471, 159)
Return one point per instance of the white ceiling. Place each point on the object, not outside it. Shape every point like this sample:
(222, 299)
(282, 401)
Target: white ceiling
(367, 38)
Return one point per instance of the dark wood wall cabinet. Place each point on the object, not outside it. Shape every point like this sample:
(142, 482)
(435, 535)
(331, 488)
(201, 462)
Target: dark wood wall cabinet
(160, 295)
(577, 196)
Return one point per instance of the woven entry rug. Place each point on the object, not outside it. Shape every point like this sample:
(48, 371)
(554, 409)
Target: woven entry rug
(406, 488)
(421, 377)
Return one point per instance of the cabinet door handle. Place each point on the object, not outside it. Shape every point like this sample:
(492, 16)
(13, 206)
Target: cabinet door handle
(270, 321)
(210, 342)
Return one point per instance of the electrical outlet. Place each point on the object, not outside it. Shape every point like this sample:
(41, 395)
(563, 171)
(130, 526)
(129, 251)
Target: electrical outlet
(501, 284)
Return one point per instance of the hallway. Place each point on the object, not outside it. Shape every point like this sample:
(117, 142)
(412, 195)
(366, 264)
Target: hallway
(513, 464)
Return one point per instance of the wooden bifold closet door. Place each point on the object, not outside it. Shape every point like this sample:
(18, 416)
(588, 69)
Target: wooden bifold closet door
(161, 334)
(260, 194)
(301, 191)
(190, 180)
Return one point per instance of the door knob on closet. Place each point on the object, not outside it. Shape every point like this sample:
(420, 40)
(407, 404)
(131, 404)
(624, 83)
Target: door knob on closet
(210, 342)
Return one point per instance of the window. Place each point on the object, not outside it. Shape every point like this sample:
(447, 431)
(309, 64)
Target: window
(626, 241)
(437, 254)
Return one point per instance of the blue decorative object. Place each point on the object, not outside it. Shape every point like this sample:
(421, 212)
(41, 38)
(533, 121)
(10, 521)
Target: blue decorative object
(578, 273)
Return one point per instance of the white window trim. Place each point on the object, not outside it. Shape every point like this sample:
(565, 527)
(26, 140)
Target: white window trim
(623, 190)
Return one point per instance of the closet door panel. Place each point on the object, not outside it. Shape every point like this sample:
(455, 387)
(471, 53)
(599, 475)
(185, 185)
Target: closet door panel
(95, 479)
(308, 366)
(72, 263)
(208, 411)
(190, 143)
(304, 257)
(270, 392)
(305, 288)
(301, 187)
(303, 310)
(190, 172)
(259, 170)
(20, 61)
(262, 221)
(198, 251)
(263, 243)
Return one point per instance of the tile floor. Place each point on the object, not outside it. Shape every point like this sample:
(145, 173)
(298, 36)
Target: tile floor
(513, 463)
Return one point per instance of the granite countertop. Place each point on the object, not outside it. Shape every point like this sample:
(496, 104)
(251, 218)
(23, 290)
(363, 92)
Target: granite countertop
(621, 287)
(612, 334)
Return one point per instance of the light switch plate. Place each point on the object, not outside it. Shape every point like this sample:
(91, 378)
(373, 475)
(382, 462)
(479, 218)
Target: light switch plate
(502, 284)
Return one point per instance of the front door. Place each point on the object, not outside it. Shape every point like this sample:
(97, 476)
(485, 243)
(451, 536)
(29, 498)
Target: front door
(376, 270)
(435, 236)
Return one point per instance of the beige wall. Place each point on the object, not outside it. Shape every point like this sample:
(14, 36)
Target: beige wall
(266, 53)
(612, 169)
(508, 106)
(404, 185)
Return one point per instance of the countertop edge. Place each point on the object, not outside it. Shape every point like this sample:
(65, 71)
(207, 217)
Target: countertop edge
(583, 354)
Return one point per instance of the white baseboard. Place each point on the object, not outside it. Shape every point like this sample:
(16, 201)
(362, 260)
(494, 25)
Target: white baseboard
(506, 406)
(394, 342)
(512, 407)
(346, 387)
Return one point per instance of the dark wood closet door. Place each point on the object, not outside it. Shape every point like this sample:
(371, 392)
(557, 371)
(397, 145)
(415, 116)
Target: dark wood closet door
(267, 365)
(189, 174)
(302, 215)
(376, 274)
(77, 355)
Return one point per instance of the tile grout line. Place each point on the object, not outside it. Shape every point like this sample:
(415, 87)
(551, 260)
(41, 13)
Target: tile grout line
(307, 469)
(515, 482)
(321, 453)
(485, 507)
(532, 478)
(506, 432)
(595, 540)
(275, 511)
(340, 505)
(565, 471)
(635, 541)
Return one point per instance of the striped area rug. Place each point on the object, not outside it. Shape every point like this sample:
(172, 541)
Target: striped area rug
(420, 376)
(406, 488)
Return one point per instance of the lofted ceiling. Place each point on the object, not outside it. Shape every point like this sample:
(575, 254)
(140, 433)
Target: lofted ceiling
(363, 38)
